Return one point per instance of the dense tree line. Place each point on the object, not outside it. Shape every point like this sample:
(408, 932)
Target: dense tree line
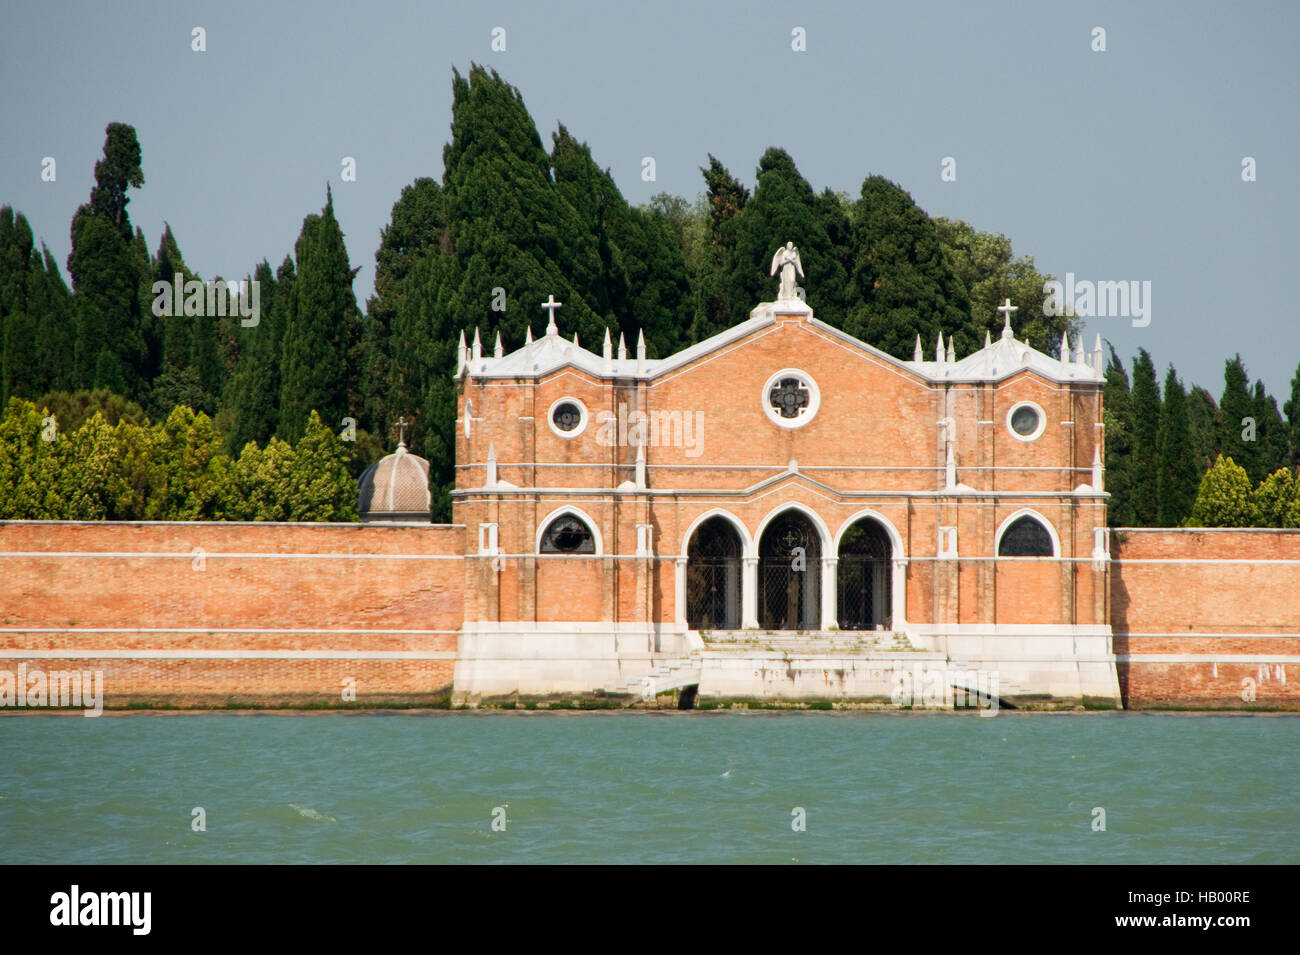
(129, 469)
(509, 223)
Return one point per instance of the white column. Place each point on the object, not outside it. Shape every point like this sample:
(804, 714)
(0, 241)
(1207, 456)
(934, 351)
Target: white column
(749, 594)
(830, 592)
(679, 595)
(899, 586)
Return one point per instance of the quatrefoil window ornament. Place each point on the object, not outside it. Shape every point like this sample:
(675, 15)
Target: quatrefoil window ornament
(790, 398)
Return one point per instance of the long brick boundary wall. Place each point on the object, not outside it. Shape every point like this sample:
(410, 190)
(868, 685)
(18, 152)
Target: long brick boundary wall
(225, 613)
(214, 614)
(1207, 617)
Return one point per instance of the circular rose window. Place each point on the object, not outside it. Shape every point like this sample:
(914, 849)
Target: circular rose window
(790, 398)
(1026, 421)
(567, 417)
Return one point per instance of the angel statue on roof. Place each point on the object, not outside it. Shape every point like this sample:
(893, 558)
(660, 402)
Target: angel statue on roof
(787, 260)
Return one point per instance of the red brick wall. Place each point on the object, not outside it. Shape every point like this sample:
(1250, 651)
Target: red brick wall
(306, 605)
(1202, 617)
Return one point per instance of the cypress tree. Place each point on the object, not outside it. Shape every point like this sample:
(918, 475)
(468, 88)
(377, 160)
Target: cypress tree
(901, 276)
(320, 327)
(1206, 427)
(783, 209)
(1146, 429)
(1240, 429)
(1271, 436)
(253, 392)
(1177, 476)
(1292, 409)
(1117, 415)
(641, 285)
(110, 348)
(726, 199)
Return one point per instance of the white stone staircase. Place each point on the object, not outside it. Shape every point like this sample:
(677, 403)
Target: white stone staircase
(671, 674)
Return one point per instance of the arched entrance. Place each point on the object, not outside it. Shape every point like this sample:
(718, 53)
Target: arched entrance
(789, 574)
(713, 577)
(865, 577)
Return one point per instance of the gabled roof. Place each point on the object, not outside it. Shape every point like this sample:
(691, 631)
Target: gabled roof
(993, 362)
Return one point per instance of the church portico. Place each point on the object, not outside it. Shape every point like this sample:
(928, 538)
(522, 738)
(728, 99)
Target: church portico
(831, 499)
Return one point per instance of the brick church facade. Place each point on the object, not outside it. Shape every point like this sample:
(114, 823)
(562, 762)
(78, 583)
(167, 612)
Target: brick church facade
(780, 512)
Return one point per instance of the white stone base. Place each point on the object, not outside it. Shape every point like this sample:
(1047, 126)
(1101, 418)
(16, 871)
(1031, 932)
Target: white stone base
(1063, 663)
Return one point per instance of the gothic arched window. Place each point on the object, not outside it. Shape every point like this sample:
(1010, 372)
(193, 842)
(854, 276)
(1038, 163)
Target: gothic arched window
(1026, 537)
(568, 534)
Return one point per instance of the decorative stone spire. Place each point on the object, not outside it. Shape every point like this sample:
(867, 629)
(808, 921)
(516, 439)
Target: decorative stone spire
(622, 348)
(575, 340)
(478, 345)
(988, 340)
(1065, 353)
(1097, 469)
(491, 466)
(528, 349)
(1098, 363)
(497, 350)
(1078, 350)
(460, 354)
(607, 352)
(551, 305)
(640, 352)
(952, 352)
(938, 350)
(1006, 308)
(917, 353)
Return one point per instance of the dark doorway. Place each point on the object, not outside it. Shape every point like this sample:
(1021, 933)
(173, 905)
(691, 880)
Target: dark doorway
(865, 577)
(713, 577)
(789, 574)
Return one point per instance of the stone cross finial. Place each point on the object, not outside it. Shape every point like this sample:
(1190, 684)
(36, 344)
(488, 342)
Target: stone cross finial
(401, 426)
(1006, 308)
(551, 305)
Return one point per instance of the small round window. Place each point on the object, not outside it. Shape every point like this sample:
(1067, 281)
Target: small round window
(790, 398)
(1026, 421)
(568, 417)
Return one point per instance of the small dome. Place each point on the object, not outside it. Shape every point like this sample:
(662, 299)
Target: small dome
(395, 488)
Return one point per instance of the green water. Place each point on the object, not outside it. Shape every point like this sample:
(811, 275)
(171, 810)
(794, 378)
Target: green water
(647, 787)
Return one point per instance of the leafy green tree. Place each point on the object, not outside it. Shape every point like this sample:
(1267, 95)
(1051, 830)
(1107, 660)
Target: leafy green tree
(984, 263)
(319, 485)
(1117, 415)
(188, 449)
(72, 409)
(902, 282)
(261, 482)
(321, 327)
(31, 460)
(1144, 469)
(1177, 476)
(1224, 497)
(1276, 500)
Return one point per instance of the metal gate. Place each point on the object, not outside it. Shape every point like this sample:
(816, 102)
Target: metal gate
(865, 578)
(713, 577)
(789, 574)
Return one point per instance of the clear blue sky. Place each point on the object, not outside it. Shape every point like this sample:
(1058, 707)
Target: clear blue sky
(1117, 165)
